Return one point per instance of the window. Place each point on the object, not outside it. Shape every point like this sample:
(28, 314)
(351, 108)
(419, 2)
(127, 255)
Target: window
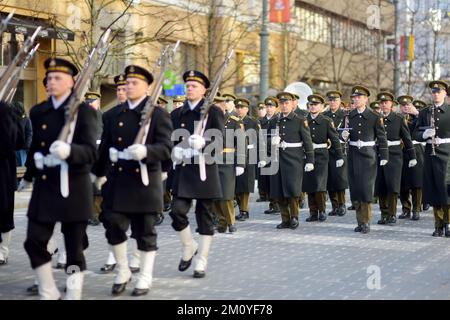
(248, 68)
(319, 26)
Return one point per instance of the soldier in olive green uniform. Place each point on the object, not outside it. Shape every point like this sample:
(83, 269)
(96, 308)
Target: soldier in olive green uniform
(412, 178)
(262, 189)
(231, 164)
(436, 157)
(387, 184)
(375, 106)
(337, 177)
(304, 114)
(315, 182)
(294, 144)
(264, 180)
(366, 127)
(245, 184)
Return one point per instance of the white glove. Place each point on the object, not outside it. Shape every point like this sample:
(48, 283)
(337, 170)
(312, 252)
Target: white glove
(164, 176)
(196, 142)
(262, 164)
(339, 163)
(137, 151)
(60, 149)
(309, 167)
(276, 140)
(429, 133)
(99, 182)
(412, 163)
(345, 134)
(383, 163)
(239, 171)
(177, 154)
(24, 184)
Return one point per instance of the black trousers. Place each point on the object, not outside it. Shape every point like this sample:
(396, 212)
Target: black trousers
(203, 215)
(142, 228)
(75, 240)
(6, 220)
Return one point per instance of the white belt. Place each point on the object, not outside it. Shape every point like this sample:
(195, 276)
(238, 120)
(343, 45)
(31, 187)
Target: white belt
(284, 144)
(115, 155)
(361, 143)
(251, 146)
(320, 146)
(394, 143)
(439, 141)
(51, 161)
(418, 142)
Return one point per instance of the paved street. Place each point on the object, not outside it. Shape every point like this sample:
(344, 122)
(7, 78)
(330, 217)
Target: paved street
(317, 261)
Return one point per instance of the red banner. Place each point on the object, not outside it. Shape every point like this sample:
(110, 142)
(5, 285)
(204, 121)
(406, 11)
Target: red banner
(280, 11)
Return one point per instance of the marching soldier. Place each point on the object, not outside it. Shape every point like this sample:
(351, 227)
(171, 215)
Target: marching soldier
(9, 132)
(366, 127)
(337, 176)
(92, 98)
(162, 102)
(121, 95)
(229, 103)
(315, 182)
(121, 88)
(387, 184)
(245, 183)
(47, 205)
(187, 184)
(433, 127)
(127, 200)
(303, 113)
(178, 101)
(376, 107)
(294, 143)
(271, 104)
(412, 178)
(231, 165)
(263, 195)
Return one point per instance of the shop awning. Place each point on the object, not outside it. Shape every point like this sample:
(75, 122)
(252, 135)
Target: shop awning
(27, 26)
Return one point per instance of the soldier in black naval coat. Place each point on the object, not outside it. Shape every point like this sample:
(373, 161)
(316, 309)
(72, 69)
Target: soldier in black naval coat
(387, 184)
(412, 178)
(294, 144)
(188, 184)
(9, 132)
(367, 132)
(337, 176)
(245, 183)
(120, 81)
(128, 200)
(324, 136)
(231, 163)
(48, 205)
(264, 179)
(436, 157)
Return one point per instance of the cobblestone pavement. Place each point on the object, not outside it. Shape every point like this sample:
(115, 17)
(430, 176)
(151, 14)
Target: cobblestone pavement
(317, 261)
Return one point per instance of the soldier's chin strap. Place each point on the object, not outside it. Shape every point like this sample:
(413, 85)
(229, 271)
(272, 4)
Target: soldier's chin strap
(115, 155)
(50, 161)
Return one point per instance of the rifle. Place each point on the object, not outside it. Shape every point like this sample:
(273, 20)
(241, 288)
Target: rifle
(165, 59)
(208, 103)
(4, 23)
(12, 85)
(81, 86)
(7, 75)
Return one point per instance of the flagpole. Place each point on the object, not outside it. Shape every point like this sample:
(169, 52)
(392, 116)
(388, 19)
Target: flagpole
(264, 53)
